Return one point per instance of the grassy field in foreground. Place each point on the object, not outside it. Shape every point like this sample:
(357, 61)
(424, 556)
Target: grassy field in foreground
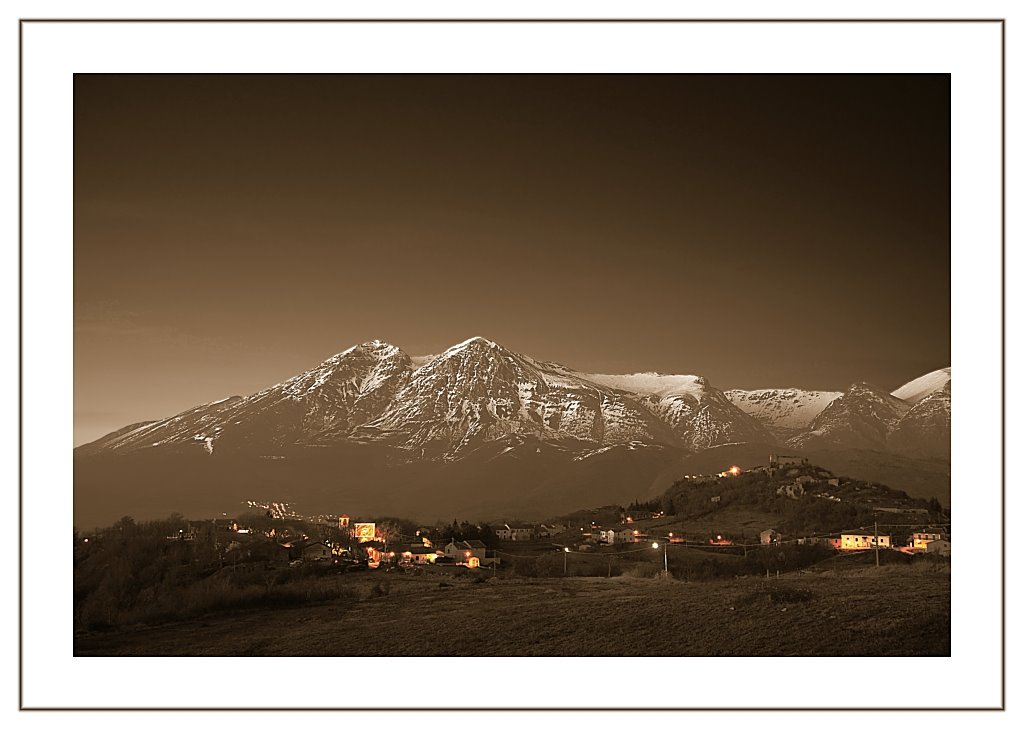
(891, 611)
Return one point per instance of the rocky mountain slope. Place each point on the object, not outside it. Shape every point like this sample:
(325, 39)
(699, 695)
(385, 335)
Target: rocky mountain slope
(321, 405)
(478, 391)
(473, 393)
(699, 415)
(924, 430)
(858, 419)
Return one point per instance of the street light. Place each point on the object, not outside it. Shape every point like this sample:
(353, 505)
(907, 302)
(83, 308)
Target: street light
(565, 562)
(654, 546)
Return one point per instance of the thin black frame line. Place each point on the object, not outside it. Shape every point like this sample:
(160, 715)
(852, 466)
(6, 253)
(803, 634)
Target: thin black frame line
(1002, 341)
(1003, 363)
(512, 20)
(21, 368)
(513, 709)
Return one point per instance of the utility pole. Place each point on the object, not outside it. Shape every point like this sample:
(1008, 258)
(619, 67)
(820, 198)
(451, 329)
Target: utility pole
(876, 544)
(565, 562)
(666, 557)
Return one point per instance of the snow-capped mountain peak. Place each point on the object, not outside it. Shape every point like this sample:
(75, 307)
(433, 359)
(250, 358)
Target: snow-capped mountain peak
(920, 388)
(699, 415)
(859, 418)
(925, 429)
(478, 392)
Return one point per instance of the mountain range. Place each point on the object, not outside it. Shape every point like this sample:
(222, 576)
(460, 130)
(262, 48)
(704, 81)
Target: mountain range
(481, 431)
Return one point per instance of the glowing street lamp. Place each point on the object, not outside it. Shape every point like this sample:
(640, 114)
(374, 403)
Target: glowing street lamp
(655, 546)
(565, 562)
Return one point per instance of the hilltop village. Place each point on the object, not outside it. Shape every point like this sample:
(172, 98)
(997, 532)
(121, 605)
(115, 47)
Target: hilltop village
(878, 517)
(735, 511)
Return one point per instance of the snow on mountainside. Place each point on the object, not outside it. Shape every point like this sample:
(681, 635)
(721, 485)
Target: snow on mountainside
(785, 411)
(322, 404)
(700, 416)
(478, 391)
(657, 384)
(447, 405)
(920, 388)
(858, 419)
(924, 431)
(419, 361)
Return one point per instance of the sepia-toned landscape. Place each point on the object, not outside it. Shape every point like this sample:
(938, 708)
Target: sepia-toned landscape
(512, 365)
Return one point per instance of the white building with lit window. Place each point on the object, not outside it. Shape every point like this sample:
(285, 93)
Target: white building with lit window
(862, 541)
(469, 552)
(920, 540)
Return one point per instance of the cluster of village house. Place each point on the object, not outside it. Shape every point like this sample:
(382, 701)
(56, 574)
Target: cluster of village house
(475, 554)
(935, 543)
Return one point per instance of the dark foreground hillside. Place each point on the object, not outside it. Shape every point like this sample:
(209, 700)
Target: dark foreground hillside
(896, 610)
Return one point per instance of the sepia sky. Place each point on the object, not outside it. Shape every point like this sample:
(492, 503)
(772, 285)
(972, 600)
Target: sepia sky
(762, 231)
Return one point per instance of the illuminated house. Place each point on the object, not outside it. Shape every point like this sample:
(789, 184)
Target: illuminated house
(515, 531)
(862, 541)
(920, 540)
(770, 537)
(469, 552)
(418, 554)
